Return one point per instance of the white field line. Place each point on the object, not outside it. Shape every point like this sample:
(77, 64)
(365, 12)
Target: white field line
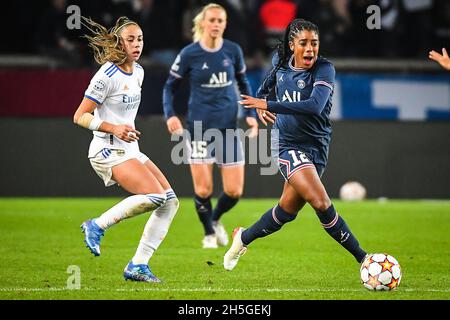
(287, 290)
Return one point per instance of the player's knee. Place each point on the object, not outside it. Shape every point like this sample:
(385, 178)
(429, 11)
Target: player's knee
(320, 204)
(203, 191)
(235, 193)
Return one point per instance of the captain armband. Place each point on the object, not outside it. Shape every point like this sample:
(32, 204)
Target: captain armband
(88, 121)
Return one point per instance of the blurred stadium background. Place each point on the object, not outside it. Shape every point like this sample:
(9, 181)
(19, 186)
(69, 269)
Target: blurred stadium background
(391, 106)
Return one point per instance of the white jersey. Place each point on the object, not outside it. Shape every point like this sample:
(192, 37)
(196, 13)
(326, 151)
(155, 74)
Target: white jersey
(118, 95)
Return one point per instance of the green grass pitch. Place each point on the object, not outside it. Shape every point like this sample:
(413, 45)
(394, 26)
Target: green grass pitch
(41, 238)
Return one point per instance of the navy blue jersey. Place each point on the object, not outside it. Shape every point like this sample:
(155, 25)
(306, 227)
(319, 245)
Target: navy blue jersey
(212, 75)
(303, 106)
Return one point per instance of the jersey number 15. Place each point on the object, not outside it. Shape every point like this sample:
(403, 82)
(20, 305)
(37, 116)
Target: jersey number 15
(198, 149)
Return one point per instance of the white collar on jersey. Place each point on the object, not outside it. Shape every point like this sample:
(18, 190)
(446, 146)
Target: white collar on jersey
(208, 49)
(291, 60)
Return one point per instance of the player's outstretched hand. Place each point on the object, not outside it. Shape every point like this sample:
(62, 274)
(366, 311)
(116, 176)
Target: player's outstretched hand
(250, 102)
(442, 59)
(126, 133)
(174, 125)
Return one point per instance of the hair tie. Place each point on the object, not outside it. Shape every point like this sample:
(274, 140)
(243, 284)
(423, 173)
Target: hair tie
(125, 24)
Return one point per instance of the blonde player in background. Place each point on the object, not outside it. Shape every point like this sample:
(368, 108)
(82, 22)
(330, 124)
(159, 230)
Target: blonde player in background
(212, 65)
(114, 96)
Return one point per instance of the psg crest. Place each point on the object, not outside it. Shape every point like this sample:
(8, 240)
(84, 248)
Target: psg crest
(301, 84)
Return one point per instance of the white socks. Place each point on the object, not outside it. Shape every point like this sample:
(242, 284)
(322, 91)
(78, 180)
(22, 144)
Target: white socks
(165, 207)
(156, 229)
(130, 207)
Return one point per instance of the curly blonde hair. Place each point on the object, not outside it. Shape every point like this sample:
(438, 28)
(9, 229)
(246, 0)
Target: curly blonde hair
(197, 30)
(106, 43)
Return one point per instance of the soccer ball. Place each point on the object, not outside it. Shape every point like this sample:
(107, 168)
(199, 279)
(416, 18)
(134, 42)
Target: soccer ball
(380, 271)
(352, 191)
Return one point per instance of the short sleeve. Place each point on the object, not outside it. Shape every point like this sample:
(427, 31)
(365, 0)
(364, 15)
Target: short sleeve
(180, 66)
(99, 87)
(239, 66)
(324, 75)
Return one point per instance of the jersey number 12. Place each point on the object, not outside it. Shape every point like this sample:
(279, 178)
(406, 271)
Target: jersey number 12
(295, 158)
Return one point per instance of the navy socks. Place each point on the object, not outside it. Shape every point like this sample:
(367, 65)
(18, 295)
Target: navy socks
(224, 204)
(334, 225)
(270, 222)
(339, 231)
(204, 211)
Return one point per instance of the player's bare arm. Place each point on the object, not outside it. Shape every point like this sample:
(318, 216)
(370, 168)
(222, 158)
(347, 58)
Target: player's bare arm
(84, 118)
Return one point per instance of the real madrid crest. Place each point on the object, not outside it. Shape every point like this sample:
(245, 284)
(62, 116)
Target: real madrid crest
(301, 84)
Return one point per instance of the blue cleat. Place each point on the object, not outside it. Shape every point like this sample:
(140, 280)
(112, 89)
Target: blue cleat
(139, 272)
(92, 234)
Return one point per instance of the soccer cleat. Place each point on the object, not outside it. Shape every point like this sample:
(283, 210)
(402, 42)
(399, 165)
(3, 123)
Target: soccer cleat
(210, 242)
(221, 233)
(236, 250)
(139, 272)
(92, 234)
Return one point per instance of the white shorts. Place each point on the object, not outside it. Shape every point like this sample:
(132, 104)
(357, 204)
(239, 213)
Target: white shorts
(106, 159)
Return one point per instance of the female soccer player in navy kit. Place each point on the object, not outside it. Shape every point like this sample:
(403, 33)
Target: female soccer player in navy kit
(213, 65)
(114, 96)
(303, 83)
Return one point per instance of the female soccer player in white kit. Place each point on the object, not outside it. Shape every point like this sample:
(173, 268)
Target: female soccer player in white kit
(114, 96)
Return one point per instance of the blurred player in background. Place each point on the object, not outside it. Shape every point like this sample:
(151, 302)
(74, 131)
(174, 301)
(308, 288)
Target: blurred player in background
(213, 65)
(303, 82)
(443, 59)
(114, 96)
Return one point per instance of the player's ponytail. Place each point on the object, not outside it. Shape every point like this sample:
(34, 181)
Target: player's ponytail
(106, 43)
(197, 30)
(282, 48)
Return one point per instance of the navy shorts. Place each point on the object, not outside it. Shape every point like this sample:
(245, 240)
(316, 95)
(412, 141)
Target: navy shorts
(293, 160)
(221, 146)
